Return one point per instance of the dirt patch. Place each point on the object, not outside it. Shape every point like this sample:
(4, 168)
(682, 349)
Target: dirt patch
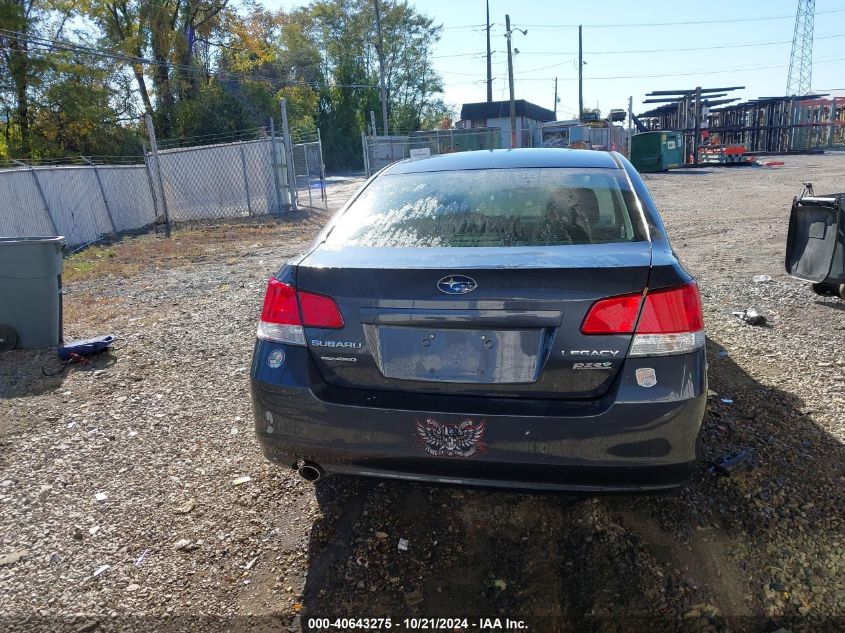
(188, 244)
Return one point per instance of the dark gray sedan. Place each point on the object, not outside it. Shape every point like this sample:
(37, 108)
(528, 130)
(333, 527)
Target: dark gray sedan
(509, 318)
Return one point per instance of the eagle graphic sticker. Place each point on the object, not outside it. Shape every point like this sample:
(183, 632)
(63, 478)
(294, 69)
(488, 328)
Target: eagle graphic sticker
(464, 439)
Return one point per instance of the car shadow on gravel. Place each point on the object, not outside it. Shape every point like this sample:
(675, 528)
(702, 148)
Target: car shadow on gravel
(403, 550)
(763, 546)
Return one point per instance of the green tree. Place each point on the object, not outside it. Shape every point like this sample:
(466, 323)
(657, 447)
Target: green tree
(21, 67)
(55, 98)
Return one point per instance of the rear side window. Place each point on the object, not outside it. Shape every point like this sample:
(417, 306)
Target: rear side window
(492, 207)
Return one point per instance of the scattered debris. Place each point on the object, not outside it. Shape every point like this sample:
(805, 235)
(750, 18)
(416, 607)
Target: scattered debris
(403, 545)
(241, 480)
(189, 505)
(722, 353)
(746, 460)
(251, 564)
(101, 570)
(500, 584)
(761, 279)
(414, 598)
(711, 393)
(133, 587)
(381, 535)
(93, 530)
(101, 496)
(182, 543)
(751, 316)
(14, 557)
(363, 562)
(140, 560)
(728, 400)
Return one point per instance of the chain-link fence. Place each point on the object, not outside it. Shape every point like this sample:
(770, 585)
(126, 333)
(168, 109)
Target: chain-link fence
(380, 151)
(81, 202)
(225, 180)
(309, 171)
(582, 136)
(89, 198)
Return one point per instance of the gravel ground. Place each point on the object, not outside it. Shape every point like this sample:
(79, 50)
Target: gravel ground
(126, 504)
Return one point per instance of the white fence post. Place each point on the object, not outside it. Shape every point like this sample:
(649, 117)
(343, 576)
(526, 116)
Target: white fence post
(366, 154)
(148, 120)
(288, 154)
(322, 170)
(274, 157)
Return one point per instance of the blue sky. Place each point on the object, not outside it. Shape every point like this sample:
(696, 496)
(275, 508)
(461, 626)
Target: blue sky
(615, 68)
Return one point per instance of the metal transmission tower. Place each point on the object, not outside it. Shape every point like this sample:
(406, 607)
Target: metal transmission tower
(799, 81)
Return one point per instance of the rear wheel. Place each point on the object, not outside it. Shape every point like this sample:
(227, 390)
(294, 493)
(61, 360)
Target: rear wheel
(8, 338)
(827, 290)
(841, 291)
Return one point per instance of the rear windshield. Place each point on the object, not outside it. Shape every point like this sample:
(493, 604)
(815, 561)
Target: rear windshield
(492, 207)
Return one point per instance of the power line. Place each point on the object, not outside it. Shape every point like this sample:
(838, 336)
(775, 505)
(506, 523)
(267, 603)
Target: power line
(456, 27)
(649, 24)
(648, 50)
(131, 59)
(679, 74)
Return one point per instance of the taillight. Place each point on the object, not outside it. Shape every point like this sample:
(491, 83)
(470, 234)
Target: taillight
(670, 321)
(616, 315)
(672, 310)
(286, 311)
(280, 304)
(319, 311)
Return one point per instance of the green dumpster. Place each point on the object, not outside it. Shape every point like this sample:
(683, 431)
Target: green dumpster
(657, 151)
(30, 292)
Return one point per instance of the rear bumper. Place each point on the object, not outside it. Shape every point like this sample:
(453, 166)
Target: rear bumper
(636, 439)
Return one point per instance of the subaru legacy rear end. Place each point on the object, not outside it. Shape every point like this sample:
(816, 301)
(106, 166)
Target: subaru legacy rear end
(507, 318)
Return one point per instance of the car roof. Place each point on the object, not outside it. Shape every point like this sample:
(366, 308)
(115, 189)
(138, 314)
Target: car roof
(507, 159)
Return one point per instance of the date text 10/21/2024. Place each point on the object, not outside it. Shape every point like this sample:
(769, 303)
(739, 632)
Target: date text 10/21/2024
(416, 624)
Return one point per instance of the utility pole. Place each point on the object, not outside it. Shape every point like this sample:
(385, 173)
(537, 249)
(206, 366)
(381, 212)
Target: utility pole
(697, 119)
(380, 51)
(555, 108)
(489, 59)
(510, 80)
(630, 121)
(580, 76)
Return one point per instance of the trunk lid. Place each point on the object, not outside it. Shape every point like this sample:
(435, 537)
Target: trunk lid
(515, 332)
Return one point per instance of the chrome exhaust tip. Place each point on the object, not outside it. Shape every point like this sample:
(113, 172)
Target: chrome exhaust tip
(309, 471)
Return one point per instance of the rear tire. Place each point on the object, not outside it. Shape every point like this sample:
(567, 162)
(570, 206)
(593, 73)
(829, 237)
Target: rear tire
(842, 291)
(8, 338)
(827, 290)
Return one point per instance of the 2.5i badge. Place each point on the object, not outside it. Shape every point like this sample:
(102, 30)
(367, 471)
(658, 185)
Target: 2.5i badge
(464, 439)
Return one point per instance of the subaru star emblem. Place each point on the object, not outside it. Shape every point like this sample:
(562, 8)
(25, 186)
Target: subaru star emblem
(457, 285)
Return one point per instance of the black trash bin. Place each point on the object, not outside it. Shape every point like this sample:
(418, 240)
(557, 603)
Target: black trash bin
(815, 245)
